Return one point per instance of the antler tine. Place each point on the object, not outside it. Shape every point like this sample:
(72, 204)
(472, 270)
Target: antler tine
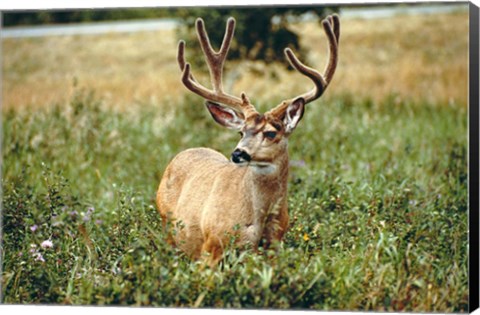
(331, 26)
(332, 30)
(181, 58)
(187, 76)
(181, 54)
(314, 75)
(335, 23)
(215, 61)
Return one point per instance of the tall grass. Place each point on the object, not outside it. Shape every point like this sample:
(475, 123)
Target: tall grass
(417, 57)
(377, 200)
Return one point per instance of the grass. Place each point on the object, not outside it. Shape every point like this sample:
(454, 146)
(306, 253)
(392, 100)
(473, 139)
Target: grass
(378, 210)
(417, 57)
(377, 188)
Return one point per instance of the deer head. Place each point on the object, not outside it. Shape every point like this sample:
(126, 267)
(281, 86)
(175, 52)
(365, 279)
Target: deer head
(264, 136)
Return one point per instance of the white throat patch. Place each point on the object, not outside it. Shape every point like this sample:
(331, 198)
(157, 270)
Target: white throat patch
(263, 167)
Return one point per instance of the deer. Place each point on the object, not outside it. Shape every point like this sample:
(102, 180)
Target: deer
(206, 197)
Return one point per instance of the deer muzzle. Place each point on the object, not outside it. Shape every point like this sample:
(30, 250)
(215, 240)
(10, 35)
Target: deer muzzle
(240, 156)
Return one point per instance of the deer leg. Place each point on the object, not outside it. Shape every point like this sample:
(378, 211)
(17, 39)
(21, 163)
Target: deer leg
(276, 227)
(167, 224)
(214, 250)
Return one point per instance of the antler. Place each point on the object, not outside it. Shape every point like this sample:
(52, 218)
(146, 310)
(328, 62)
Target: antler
(215, 62)
(331, 26)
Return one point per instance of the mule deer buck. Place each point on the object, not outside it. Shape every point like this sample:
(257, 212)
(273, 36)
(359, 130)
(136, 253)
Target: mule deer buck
(246, 196)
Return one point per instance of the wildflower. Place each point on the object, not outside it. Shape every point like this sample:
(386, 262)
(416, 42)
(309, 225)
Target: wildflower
(35, 253)
(87, 216)
(98, 222)
(47, 244)
(33, 248)
(38, 257)
(33, 228)
(306, 237)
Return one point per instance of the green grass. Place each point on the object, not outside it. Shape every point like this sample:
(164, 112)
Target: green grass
(377, 194)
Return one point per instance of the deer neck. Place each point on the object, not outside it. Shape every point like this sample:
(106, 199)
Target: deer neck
(268, 184)
(274, 174)
(267, 192)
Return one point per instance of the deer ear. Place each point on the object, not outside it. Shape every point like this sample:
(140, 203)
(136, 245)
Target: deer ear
(293, 114)
(225, 116)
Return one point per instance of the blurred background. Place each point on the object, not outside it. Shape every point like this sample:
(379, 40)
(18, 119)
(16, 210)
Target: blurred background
(128, 56)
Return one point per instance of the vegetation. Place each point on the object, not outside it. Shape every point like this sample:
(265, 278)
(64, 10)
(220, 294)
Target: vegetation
(412, 57)
(378, 205)
(261, 33)
(377, 188)
(18, 18)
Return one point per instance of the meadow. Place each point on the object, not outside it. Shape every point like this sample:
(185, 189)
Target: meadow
(378, 196)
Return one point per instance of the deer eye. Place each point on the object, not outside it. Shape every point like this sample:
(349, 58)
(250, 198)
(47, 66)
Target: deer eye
(270, 134)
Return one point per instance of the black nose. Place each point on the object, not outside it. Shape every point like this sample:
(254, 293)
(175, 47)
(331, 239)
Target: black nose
(239, 156)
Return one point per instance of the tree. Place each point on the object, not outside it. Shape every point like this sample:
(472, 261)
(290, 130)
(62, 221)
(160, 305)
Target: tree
(36, 17)
(261, 33)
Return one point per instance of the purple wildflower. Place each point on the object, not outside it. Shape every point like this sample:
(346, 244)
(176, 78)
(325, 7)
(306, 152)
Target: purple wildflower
(88, 215)
(33, 228)
(47, 244)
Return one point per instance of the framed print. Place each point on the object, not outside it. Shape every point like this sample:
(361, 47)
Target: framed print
(293, 156)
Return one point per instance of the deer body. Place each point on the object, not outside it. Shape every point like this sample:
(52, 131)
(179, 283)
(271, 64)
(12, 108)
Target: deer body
(218, 196)
(207, 197)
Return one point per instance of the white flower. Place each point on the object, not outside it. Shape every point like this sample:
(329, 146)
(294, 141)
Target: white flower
(47, 244)
(39, 257)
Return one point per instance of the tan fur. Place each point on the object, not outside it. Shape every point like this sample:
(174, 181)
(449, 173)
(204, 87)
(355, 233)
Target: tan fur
(211, 199)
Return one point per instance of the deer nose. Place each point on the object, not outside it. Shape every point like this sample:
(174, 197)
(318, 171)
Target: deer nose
(239, 156)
